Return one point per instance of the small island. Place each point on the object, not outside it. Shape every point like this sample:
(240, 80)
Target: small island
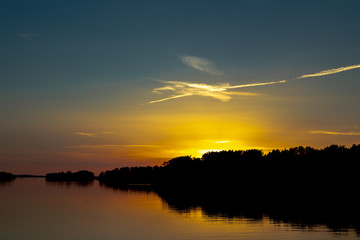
(80, 176)
(5, 176)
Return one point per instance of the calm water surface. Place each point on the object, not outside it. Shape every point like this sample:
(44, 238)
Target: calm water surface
(35, 209)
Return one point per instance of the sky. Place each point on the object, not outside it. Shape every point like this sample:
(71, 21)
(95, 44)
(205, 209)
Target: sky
(103, 84)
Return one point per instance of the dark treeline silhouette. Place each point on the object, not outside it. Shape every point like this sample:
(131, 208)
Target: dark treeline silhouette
(80, 176)
(294, 170)
(130, 175)
(5, 176)
(302, 186)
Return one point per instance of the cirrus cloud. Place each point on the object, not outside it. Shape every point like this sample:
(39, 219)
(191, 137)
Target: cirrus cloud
(92, 134)
(87, 134)
(335, 133)
(217, 91)
(201, 64)
(220, 91)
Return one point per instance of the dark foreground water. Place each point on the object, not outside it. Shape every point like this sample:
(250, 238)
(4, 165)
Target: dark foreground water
(35, 209)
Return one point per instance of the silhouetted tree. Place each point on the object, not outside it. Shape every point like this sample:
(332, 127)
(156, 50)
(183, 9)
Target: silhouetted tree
(5, 176)
(80, 176)
(294, 170)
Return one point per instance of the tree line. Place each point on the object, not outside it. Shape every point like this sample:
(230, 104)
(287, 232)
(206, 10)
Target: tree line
(80, 176)
(5, 176)
(302, 168)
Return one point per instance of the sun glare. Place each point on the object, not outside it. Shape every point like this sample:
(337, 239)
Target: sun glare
(209, 150)
(222, 141)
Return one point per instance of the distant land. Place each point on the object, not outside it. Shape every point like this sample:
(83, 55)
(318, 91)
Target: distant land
(302, 167)
(80, 176)
(5, 176)
(296, 171)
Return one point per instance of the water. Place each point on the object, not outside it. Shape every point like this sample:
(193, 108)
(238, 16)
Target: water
(35, 209)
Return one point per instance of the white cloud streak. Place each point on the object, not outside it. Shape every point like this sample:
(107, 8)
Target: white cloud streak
(329, 71)
(87, 134)
(256, 84)
(336, 133)
(201, 64)
(104, 146)
(168, 98)
(92, 134)
(219, 91)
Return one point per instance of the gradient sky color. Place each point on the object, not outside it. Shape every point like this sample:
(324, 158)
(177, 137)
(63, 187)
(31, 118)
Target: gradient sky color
(102, 84)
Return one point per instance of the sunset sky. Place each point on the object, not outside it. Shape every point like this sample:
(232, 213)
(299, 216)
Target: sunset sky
(102, 84)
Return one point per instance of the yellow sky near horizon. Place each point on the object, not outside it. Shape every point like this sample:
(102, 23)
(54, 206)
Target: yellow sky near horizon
(136, 133)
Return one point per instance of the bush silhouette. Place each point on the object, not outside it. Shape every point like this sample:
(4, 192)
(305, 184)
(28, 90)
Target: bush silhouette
(5, 176)
(80, 176)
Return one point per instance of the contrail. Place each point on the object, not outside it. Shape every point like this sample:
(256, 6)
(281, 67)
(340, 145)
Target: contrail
(330, 71)
(336, 133)
(172, 97)
(219, 91)
(256, 84)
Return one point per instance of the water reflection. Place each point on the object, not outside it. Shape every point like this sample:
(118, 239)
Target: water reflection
(33, 208)
(70, 184)
(7, 183)
(286, 211)
(143, 188)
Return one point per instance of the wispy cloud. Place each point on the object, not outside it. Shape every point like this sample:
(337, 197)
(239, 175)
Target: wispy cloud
(329, 71)
(100, 146)
(93, 134)
(219, 91)
(168, 98)
(103, 146)
(27, 35)
(336, 133)
(87, 134)
(201, 64)
(256, 84)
